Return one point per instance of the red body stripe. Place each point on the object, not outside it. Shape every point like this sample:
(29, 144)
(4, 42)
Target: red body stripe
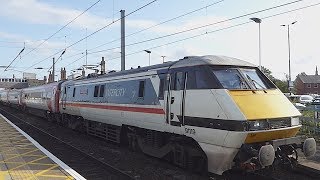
(120, 108)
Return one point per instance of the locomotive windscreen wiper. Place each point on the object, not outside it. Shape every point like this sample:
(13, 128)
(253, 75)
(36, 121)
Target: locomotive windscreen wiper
(242, 82)
(254, 82)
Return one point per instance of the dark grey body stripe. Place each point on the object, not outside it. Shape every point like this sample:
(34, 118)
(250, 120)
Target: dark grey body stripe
(222, 124)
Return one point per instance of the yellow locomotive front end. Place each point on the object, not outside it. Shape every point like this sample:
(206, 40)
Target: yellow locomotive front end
(271, 120)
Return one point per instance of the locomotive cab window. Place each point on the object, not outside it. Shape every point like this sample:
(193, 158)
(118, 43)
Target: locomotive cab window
(241, 78)
(141, 88)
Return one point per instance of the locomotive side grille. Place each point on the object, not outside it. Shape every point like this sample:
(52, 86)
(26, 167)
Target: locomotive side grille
(104, 131)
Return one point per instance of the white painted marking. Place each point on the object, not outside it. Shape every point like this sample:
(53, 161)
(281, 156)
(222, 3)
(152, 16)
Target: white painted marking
(68, 169)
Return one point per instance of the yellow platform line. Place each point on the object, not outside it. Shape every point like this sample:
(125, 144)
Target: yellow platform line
(46, 170)
(12, 169)
(57, 176)
(4, 175)
(13, 148)
(20, 155)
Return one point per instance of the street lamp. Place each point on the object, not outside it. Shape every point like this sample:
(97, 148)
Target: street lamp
(289, 83)
(149, 52)
(163, 58)
(257, 20)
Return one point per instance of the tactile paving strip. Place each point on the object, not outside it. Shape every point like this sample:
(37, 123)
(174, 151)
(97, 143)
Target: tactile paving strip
(20, 159)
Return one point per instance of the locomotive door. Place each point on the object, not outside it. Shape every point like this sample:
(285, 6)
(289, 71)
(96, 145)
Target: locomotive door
(176, 100)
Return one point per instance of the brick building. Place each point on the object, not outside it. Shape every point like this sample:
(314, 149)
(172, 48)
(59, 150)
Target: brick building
(308, 84)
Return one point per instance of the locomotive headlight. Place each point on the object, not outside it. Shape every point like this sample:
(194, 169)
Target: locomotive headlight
(295, 121)
(257, 125)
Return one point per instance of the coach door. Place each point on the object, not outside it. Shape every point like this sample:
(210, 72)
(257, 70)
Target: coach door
(176, 100)
(64, 97)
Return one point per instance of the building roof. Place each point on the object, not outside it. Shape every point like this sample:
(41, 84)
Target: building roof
(310, 78)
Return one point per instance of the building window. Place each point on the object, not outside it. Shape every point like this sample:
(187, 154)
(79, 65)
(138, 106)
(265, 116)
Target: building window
(141, 88)
(74, 92)
(316, 85)
(308, 85)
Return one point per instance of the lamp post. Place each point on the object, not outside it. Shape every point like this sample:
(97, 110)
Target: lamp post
(289, 56)
(149, 52)
(257, 20)
(163, 58)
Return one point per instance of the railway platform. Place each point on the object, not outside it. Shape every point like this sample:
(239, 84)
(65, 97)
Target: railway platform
(21, 157)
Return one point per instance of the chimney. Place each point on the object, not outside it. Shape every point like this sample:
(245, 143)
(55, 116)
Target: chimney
(50, 78)
(317, 70)
(64, 74)
(103, 66)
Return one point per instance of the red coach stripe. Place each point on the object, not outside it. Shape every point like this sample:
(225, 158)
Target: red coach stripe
(120, 108)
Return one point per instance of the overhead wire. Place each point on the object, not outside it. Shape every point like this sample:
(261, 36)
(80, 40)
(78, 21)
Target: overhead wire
(163, 22)
(138, 9)
(62, 27)
(217, 30)
(199, 27)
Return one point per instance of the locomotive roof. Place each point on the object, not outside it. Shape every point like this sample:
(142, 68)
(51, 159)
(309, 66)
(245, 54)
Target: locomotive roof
(211, 60)
(186, 61)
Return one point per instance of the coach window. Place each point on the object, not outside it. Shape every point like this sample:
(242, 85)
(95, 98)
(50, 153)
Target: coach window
(141, 88)
(101, 93)
(74, 92)
(96, 91)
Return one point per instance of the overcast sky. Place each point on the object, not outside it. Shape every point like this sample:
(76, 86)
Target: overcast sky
(32, 21)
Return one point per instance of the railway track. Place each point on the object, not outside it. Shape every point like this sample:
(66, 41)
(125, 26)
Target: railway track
(85, 164)
(91, 166)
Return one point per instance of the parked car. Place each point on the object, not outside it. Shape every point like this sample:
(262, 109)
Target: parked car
(299, 106)
(305, 99)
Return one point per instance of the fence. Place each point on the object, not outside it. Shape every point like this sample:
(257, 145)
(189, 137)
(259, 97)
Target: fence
(311, 120)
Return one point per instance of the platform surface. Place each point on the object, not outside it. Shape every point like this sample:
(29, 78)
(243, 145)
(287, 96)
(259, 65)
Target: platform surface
(22, 158)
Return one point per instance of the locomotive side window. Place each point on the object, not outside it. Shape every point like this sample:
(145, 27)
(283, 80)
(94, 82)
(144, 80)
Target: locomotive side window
(74, 92)
(191, 80)
(101, 93)
(161, 88)
(141, 88)
(179, 81)
(96, 91)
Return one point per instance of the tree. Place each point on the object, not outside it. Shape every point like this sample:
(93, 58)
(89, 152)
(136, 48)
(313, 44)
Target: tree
(281, 84)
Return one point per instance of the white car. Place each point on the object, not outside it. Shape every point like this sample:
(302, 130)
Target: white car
(305, 99)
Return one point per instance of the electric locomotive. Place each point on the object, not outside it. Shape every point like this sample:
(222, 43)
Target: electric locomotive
(205, 113)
